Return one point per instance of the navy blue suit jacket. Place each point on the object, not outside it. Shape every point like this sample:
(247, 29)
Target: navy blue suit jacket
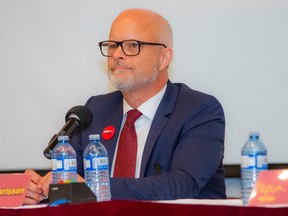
(184, 149)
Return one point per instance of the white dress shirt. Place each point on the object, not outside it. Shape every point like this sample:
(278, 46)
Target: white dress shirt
(142, 126)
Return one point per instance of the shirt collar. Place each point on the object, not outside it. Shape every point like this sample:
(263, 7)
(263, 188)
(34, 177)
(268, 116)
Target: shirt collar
(149, 107)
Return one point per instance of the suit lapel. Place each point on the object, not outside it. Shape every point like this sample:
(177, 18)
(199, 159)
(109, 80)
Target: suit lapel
(165, 108)
(114, 120)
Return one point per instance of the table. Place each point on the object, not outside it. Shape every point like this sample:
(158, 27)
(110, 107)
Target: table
(145, 208)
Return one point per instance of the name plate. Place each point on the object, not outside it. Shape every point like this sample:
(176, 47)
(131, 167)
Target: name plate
(271, 188)
(13, 188)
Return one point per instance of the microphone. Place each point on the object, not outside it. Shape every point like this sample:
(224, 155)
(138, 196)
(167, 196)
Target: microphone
(77, 118)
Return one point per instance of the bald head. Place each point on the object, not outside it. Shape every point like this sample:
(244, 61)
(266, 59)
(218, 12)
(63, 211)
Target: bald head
(146, 24)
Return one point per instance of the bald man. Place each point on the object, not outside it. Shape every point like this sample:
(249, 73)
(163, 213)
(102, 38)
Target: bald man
(180, 133)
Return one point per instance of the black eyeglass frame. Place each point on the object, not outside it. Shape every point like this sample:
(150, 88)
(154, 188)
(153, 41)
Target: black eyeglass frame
(119, 43)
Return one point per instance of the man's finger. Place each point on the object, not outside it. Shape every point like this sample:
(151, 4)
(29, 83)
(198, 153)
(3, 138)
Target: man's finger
(35, 177)
(45, 182)
(33, 198)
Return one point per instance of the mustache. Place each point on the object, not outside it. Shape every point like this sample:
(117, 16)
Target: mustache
(118, 64)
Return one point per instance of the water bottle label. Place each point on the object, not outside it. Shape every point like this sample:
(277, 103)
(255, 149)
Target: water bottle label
(87, 163)
(64, 164)
(252, 161)
(262, 162)
(96, 163)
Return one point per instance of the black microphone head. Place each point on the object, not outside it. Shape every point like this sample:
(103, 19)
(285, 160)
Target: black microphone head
(81, 113)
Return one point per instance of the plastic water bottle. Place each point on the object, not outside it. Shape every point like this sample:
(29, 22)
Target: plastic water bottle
(97, 168)
(254, 160)
(64, 163)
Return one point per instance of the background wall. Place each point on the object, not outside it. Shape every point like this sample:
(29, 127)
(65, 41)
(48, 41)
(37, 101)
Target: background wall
(50, 61)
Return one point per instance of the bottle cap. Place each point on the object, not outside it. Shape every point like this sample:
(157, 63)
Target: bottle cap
(63, 138)
(94, 137)
(254, 135)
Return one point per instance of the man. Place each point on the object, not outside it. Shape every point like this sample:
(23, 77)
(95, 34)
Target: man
(180, 132)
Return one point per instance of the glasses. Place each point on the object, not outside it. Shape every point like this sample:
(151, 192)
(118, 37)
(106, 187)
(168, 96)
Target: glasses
(129, 47)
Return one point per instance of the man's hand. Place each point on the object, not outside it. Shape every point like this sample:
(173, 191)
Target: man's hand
(34, 194)
(44, 183)
(38, 188)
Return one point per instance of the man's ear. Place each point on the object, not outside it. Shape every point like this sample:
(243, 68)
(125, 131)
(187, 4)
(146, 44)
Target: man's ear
(165, 58)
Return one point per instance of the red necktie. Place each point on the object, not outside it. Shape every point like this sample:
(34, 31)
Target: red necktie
(127, 147)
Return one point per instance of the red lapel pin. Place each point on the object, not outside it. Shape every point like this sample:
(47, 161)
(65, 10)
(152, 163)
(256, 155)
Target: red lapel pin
(108, 132)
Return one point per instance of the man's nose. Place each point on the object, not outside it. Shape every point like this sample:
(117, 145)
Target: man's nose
(119, 53)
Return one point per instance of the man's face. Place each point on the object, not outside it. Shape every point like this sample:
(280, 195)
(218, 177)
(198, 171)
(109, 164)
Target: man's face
(133, 72)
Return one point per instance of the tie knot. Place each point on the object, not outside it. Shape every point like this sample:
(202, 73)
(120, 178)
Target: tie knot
(132, 116)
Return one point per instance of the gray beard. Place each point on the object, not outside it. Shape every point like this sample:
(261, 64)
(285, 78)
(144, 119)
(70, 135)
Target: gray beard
(131, 83)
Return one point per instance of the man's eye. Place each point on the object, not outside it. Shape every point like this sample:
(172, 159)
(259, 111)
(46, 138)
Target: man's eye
(133, 45)
(112, 46)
